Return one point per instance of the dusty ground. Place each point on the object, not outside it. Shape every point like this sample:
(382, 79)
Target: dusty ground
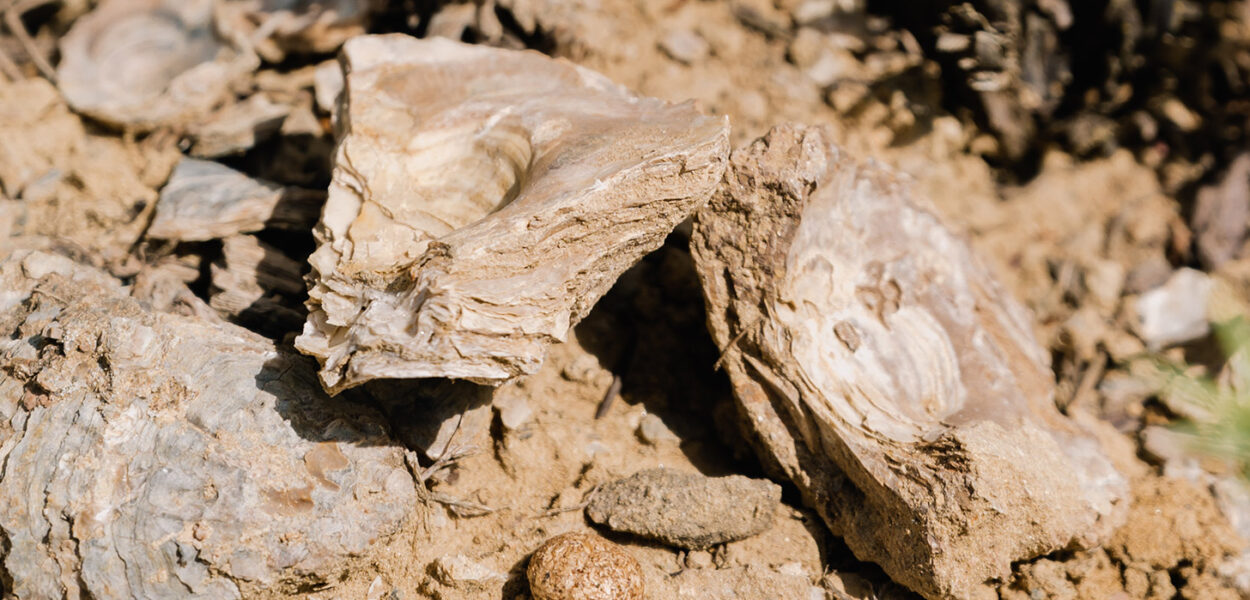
(1076, 243)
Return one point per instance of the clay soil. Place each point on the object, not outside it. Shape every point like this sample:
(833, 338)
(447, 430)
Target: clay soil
(1056, 223)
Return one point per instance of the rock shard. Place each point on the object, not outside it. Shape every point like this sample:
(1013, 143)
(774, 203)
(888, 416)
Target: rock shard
(879, 366)
(150, 455)
(482, 200)
(143, 64)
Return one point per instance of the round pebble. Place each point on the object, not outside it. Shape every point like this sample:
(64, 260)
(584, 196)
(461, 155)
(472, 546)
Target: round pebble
(579, 566)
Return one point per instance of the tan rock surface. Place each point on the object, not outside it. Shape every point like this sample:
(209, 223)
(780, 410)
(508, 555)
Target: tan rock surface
(881, 368)
(482, 201)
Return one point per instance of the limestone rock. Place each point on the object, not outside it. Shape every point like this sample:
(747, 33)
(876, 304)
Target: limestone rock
(880, 367)
(142, 64)
(686, 510)
(482, 200)
(150, 455)
(205, 200)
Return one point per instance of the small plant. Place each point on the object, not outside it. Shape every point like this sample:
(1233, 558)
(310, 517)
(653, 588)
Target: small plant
(1216, 410)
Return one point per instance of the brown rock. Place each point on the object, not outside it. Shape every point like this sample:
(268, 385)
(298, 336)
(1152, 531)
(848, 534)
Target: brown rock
(881, 368)
(686, 510)
(579, 566)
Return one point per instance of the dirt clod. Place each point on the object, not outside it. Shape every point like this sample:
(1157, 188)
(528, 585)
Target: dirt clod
(684, 509)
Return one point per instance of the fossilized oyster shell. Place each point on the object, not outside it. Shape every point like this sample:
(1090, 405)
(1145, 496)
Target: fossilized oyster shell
(882, 369)
(482, 201)
(141, 64)
(150, 455)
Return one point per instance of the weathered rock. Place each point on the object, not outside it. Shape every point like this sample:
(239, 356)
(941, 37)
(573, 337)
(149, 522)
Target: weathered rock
(279, 27)
(579, 566)
(1222, 213)
(461, 572)
(206, 200)
(238, 127)
(141, 64)
(256, 285)
(879, 366)
(686, 510)
(149, 455)
(1175, 312)
(472, 219)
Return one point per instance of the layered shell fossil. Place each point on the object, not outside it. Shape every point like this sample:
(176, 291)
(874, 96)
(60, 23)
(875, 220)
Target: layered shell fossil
(141, 64)
(880, 367)
(482, 200)
(151, 455)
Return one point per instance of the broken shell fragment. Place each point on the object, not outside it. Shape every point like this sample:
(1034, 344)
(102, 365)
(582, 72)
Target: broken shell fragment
(206, 200)
(142, 64)
(482, 200)
(882, 369)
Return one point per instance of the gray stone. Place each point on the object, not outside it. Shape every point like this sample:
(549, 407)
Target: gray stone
(686, 510)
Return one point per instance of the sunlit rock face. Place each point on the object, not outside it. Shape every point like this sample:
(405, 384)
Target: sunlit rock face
(482, 201)
(881, 368)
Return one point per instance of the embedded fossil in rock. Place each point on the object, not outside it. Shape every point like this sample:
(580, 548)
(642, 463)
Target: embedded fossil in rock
(150, 455)
(142, 64)
(482, 201)
(880, 367)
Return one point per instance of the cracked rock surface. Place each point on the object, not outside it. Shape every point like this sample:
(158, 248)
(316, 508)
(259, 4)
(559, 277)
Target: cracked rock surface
(879, 366)
(151, 455)
(482, 201)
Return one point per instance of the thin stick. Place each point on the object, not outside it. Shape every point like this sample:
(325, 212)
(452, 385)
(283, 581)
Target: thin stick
(13, 18)
(614, 390)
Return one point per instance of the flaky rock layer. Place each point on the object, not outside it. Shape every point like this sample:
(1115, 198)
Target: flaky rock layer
(482, 201)
(880, 367)
(149, 455)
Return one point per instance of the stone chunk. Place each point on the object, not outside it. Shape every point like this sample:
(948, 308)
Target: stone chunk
(151, 455)
(482, 201)
(579, 566)
(1175, 312)
(142, 64)
(206, 200)
(879, 366)
(686, 510)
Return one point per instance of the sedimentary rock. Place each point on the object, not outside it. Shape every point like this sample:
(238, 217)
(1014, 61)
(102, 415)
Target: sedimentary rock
(142, 64)
(482, 201)
(151, 455)
(580, 566)
(206, 200)
(879, 366)
(686, 510)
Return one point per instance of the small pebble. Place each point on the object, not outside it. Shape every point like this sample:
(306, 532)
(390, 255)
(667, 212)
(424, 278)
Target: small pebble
(699, 559)
(1176, 312)
(684, 46)
(579, 566)
(652, 430)
(461, 572)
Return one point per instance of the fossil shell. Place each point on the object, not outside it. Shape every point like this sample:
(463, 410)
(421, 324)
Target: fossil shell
(482, 200)
(884, 371)
(141, 64)
(171, 456)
